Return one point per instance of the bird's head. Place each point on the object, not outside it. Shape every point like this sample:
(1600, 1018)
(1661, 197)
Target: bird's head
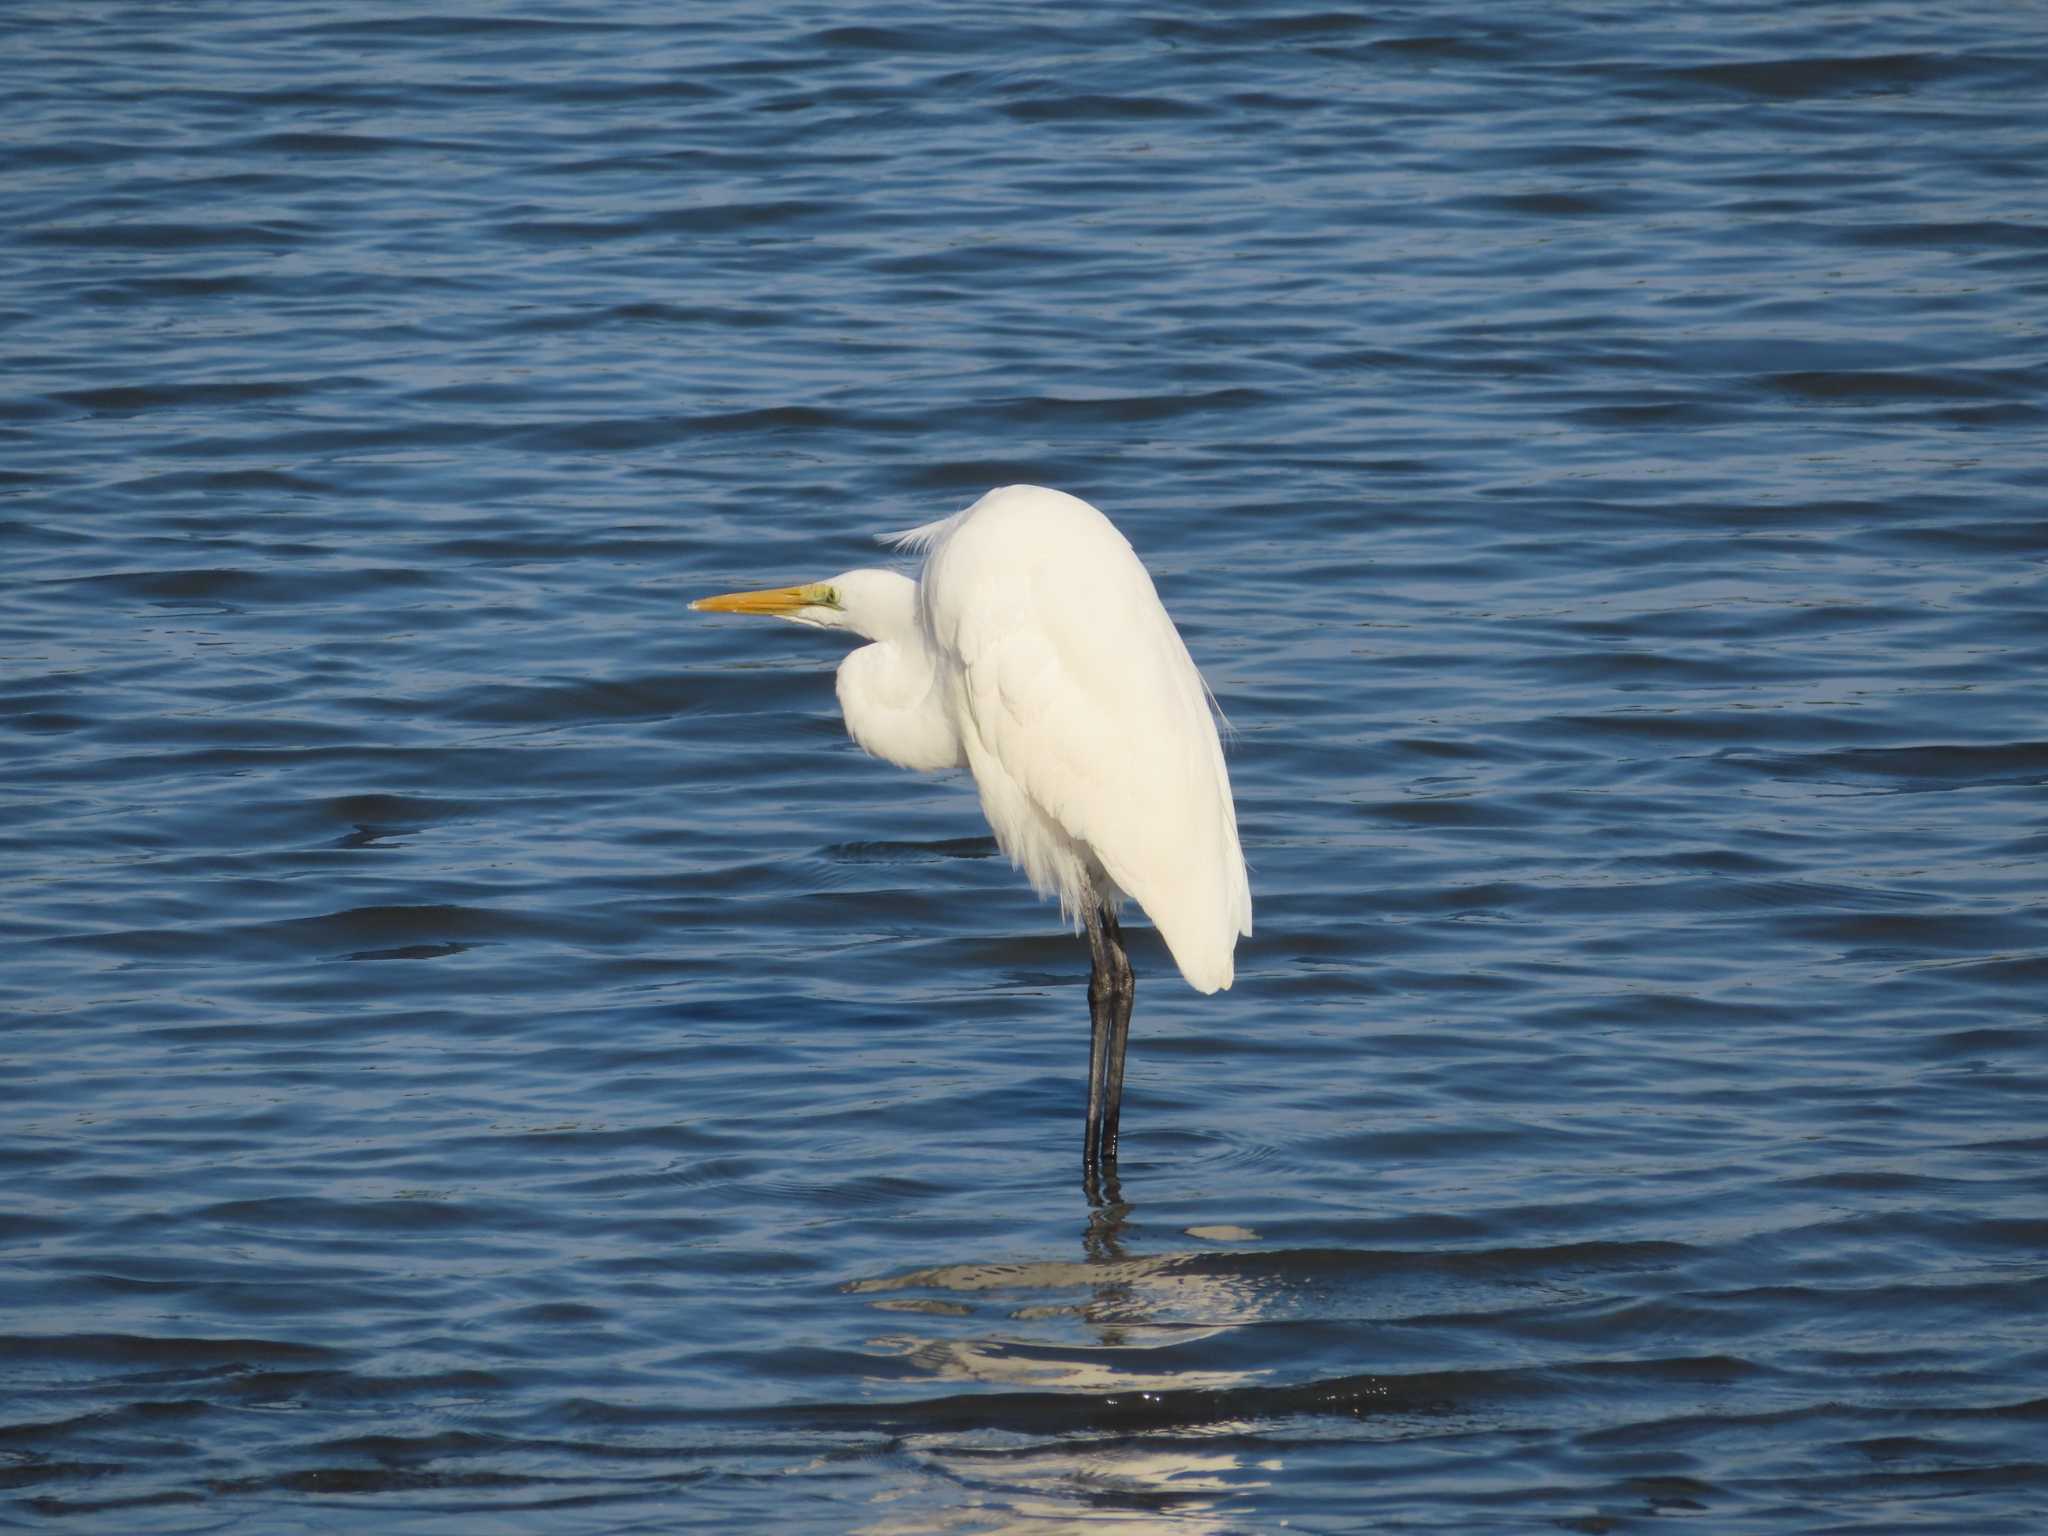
(876, 604)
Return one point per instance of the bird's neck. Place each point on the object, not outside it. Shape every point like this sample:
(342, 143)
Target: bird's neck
(881, 605)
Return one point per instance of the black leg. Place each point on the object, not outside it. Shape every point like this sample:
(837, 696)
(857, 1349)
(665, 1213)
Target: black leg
(1111, 989)
(1124, 994)
(1100, 971)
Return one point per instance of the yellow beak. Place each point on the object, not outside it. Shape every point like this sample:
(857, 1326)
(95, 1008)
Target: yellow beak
(780, 602)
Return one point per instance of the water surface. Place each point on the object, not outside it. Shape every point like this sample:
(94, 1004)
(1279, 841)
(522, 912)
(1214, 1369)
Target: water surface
(483, 1050)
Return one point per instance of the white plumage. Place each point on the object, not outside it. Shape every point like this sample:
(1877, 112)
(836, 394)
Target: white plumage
(1083, 719)
(1034, 652)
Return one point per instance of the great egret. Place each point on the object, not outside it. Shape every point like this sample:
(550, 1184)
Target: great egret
(1033, 651)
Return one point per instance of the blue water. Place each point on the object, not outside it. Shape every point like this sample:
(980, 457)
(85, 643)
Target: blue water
(483, 1051)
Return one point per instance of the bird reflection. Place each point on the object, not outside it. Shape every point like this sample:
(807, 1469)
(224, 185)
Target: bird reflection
(1140, 1319)
(1127, 1486)
(1107, 1213)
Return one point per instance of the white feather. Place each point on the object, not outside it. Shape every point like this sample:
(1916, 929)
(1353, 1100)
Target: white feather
(1083, 719)
(1034, 651)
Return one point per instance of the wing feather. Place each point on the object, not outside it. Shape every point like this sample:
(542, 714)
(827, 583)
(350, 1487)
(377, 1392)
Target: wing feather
(1079, 692)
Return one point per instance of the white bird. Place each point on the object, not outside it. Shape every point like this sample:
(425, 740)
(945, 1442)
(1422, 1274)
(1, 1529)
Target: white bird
(1033, 651)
